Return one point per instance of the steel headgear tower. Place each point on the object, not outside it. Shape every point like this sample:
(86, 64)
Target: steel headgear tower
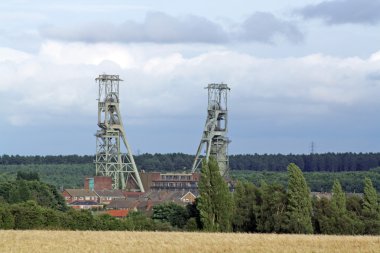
(214, 136)
(110, 161)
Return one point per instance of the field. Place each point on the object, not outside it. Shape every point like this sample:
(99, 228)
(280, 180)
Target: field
(149, 242)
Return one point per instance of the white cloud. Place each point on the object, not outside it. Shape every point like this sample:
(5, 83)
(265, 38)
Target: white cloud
(16, 56)
(58, 82)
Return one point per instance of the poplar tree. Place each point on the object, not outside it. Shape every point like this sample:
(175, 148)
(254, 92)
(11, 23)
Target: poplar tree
(215, 202)
(338, 199)
(371, 212)
(341, 221)
(299, 208)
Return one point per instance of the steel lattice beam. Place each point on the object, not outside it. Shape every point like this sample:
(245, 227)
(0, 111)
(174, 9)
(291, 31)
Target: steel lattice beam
(214, 141)
(110, 137)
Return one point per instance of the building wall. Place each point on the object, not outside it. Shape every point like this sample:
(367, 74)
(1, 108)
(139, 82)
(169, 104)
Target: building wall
(67, 197)
(148, 177)
(173, 181)
(100, 183)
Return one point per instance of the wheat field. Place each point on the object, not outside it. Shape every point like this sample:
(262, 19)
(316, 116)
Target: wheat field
(181, 242)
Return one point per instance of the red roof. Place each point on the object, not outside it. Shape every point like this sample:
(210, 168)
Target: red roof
(118, 213)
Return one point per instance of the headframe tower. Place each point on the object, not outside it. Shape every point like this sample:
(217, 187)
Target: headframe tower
(110, 137)
(214, 140)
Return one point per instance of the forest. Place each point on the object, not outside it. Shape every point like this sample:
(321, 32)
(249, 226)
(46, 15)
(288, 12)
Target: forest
(70, 171)
(330, 162)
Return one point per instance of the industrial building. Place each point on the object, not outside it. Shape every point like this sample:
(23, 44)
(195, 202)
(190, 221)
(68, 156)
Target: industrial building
(118, 185)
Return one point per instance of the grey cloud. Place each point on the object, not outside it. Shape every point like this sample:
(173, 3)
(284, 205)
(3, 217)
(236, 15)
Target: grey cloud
(157, 28)
(264, 27)
(344, 11)
(162, 28)
(375, 76)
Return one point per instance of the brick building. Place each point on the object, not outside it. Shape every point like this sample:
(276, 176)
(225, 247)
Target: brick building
(72, 195)
(170, 181)
(106, 196)
(98, 183)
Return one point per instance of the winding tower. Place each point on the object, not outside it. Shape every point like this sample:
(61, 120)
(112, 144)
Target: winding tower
(110, 137)
(214, 140)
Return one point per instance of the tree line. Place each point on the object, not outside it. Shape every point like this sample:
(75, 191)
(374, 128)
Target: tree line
(351, 181)
(72, 176)
(27, 203)
(333, 162)
(272, 208)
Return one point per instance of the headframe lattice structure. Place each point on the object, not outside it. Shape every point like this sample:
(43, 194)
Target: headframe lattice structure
(110, 161)
(214, 140)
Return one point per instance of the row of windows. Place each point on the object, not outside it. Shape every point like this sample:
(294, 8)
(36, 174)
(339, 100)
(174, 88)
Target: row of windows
(92, 198)
(176, 184)
(85, 198)
(175, 177)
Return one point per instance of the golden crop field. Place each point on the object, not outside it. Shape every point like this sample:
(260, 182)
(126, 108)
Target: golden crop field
(181, 242)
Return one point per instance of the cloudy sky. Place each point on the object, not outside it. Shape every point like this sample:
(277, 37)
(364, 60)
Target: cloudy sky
(299, 71)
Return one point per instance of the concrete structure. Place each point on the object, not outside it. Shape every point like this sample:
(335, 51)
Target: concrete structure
(170, 181)
(110, 160)
(214, 141)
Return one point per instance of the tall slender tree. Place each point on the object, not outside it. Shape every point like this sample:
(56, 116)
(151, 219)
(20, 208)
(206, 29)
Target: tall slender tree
(299, 208)
(371, 210)
(338, 200)
(215, 202)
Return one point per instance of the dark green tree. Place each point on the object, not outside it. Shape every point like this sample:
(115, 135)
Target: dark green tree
(215, 203)
(332, 216)
(194, 215)
(137, 221)
(6, 217)
(299, 209)
(28, 215)
(80, 220)
(107, 222)
(171, 212)
(244, 219)
(29, 176)
(271, 213)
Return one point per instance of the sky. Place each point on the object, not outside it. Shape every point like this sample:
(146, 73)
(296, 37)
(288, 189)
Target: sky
(299, 72)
